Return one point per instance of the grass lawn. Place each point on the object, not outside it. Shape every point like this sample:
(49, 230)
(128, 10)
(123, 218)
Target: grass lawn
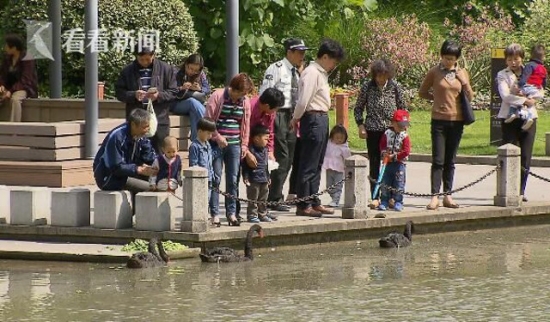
(475, 140)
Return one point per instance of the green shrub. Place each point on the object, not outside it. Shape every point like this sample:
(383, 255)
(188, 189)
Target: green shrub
(170, 17)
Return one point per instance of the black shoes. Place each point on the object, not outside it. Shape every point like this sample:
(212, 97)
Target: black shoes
(280, 208)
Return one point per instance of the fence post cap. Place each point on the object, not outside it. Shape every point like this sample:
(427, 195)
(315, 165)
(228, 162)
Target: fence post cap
(195, 172)
(508, 149)
(357, 161)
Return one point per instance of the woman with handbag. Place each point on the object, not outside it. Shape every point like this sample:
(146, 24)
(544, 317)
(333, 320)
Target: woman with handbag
(193, 87)
(512, 132)
(444, 84)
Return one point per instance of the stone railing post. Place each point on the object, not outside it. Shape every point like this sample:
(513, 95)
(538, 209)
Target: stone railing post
(195, 200)
(508, 176)
(356, 188)
(547, 143)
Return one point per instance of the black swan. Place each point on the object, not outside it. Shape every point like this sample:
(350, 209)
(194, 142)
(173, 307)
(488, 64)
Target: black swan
(228, 255)
(397, 240)
(151, 258)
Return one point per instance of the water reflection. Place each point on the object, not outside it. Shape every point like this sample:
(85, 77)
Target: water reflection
(475, 276)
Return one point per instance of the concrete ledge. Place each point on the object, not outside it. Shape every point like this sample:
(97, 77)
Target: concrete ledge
(77, 253)
(330, 228)
(30, 206)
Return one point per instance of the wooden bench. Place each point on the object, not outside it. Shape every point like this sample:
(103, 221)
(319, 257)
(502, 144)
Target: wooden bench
(67, 109)
(52, 154)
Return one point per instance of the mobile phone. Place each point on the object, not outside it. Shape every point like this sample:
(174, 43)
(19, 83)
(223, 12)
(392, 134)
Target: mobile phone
(152, 90)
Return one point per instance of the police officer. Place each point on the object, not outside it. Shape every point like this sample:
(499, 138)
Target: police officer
(284, 76)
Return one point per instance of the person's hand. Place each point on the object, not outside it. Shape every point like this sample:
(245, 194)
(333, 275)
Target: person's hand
(514, 90)
(222, 141)
(271, 156)
(251, 160)
(362, 132)
(146, 170)
(195, 87)
(186, 85)
(152, 187)
(529, 102)
(294, 124)
(246, 182)
(2, 89)
(153, 96)
(7, 94)
(140, 95)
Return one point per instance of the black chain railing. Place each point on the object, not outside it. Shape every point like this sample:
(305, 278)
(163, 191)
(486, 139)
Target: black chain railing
(438, 194)
(535, 175)
(287, 202)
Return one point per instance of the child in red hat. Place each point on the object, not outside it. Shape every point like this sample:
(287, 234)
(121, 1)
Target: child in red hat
(396, 147)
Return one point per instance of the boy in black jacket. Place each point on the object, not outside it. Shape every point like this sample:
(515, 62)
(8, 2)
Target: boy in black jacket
(257, 179)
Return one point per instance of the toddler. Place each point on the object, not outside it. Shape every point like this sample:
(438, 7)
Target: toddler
(396, 146)
(257, 179)
(337, 151)
(531, 85)
(200, 155)
(168, 164)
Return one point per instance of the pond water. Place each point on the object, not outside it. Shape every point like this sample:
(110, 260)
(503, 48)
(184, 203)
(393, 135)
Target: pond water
(488, 275)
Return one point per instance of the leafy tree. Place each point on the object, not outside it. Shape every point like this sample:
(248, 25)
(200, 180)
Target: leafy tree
(264, 24)
(171, 17)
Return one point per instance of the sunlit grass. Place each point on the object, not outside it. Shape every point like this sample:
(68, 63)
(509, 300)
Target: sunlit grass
(475, 140)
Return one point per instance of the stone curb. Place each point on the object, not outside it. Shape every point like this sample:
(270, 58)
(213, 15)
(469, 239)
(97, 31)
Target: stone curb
(119, 257)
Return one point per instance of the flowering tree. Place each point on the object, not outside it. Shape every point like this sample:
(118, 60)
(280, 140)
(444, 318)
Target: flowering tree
(405, 41)
(481, 29)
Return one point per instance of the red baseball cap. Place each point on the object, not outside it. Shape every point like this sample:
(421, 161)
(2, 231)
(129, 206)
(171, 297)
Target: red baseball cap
(402, 117)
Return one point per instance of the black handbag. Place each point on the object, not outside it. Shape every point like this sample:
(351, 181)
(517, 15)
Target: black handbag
(467, 110)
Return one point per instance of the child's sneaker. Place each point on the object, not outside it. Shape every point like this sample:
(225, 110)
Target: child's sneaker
(398, 206)
(527, 124)
(511, 118)
(383, 206)
(265, 218)
(333, 204)
(271, 216)
(254, 220)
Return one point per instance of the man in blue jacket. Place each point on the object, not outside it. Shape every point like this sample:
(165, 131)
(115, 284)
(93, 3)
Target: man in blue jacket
(124, 159)
(147, 77)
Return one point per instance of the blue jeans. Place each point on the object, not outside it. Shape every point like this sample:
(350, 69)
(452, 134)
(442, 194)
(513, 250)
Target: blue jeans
(394, 176)
(194, 109)
(230, 156)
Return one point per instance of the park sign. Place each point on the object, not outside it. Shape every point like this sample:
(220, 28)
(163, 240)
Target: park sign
(498, 63)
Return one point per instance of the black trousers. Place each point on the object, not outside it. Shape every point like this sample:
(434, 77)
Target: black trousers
(512, 133)
(293, 181)
(163, 130)
(446, 136)
(314, 137)
(373, 148)
(285, 142)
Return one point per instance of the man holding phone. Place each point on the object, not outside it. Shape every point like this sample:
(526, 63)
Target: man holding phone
(148, 78)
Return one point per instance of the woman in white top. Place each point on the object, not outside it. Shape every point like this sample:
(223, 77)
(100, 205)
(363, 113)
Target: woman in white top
(512, 132)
